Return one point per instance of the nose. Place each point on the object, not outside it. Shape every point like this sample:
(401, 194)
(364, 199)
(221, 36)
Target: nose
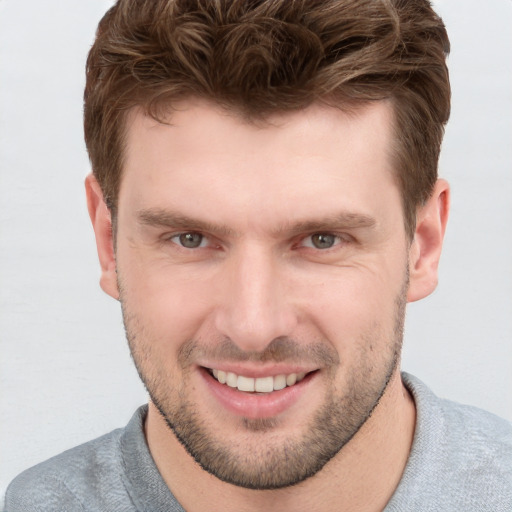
(255, 306)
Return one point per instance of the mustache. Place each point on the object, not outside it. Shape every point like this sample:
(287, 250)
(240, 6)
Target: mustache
(282, 349)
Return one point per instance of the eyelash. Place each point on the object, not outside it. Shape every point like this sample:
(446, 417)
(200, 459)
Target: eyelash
(206, 242)
(337, 240)
(179, 242)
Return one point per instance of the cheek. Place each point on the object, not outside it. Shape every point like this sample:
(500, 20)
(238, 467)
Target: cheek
(355, 304)
(170, 304)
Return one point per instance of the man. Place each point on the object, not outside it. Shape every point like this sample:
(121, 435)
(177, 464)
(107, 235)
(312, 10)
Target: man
(265, 201)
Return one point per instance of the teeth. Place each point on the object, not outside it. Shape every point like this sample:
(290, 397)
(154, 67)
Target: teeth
(291, 379)
(279, 382)
(245, 383)
(260, 384)
(231, 380)
(263, 384)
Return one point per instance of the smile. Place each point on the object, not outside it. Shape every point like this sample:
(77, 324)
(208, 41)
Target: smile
(259, 384)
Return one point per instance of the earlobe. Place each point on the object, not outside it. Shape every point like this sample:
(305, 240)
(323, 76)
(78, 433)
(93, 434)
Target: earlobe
(425, 250)
(102, 225)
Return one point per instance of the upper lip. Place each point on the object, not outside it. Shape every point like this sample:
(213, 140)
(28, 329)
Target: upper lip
(259, 371)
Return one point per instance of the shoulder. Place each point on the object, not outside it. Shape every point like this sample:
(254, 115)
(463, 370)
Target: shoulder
(461, 458)
(60, 482)
(480, 447)
(478, 430)
(471, 433)
(92, 476)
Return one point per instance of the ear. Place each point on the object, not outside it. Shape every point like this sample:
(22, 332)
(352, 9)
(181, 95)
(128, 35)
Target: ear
(102, 225)
(425, 249)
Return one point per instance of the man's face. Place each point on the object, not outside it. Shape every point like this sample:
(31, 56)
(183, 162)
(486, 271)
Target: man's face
(262, 254)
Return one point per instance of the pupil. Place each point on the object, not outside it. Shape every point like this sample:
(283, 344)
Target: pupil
(323, 241)
(191, 240)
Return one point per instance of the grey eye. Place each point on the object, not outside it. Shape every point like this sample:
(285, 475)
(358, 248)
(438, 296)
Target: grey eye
(191, 240)
(322, 241)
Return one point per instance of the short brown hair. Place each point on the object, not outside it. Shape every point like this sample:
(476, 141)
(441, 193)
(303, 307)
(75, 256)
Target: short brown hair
(263, 56)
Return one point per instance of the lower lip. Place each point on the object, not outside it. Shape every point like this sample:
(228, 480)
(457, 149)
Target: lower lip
(256, 405)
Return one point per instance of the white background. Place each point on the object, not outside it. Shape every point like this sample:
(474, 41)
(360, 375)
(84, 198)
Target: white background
(65, 370)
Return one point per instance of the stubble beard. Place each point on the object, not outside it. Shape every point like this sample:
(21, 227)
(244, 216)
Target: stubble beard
(262, 459)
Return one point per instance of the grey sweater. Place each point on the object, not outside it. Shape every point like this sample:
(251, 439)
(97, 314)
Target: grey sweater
(461, 460)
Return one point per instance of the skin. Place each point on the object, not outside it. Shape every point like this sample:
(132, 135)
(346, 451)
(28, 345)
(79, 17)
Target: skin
(257, 195)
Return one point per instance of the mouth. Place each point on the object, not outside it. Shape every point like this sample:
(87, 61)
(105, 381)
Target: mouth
(266, 384)
(258, 396)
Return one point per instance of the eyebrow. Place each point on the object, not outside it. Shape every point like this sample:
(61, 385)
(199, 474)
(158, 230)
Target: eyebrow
(158, 217)
(340, 221)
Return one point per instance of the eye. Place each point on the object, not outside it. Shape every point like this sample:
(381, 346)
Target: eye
(321, 241)
(190, 240)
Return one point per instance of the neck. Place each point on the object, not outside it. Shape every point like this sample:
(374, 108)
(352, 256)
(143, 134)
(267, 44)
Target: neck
(362, 476)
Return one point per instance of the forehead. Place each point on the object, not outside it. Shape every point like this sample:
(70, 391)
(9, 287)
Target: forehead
(206, 157)
(200, 121)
